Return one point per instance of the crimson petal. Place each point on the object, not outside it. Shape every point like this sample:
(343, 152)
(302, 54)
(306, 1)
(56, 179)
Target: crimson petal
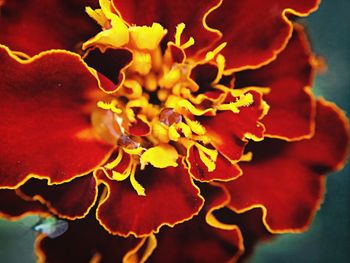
(228, 130)
(12, 206)
(171, 198)
(171, 13)
(196, 240)
(85, 241)
(285, 179)
(292, 107)
(45, 127)
(256, 31)
(224, 171)
(34, 26)
(69, 200)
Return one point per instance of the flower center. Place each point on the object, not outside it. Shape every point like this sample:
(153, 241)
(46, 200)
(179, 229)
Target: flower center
(155, 116)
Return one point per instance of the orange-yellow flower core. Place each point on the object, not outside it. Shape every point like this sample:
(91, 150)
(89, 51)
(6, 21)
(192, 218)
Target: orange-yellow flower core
(158, 92)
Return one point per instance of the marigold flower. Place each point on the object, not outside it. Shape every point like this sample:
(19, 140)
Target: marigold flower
(167, 131)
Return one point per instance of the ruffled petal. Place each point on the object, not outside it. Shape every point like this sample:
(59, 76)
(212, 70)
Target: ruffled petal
(171, 198)
(34, 26)
(45, 125)
(85, 241)
(196, 240)
(285, 179)
(292, 107)
(251, 226)
(13, 207)
(171, 13)
(256, 31)
(224, 170)
(108, 67)
(229, 131)
(69, 200)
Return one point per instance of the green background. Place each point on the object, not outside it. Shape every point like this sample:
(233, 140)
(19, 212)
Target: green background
(328, 239)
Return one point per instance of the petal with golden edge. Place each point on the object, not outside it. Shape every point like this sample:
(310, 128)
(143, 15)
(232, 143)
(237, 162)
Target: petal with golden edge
(86, 241)
(286, 179)
(34, 26)
(251, 226)
(45, 124)
(229, 131)
(171, 13)
(13, 207)
(224, 170)
(108, 67)
(171, 198)
(289, 77)
(141, 127)
(196, 240)
(68, 200)
(256, 31)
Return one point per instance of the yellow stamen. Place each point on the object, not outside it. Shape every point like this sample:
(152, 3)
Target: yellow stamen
(109, 106)
(208, 156)
(136, 185)
(195, 126)
(211, 54)
(244, 100)
(142, 62)
(135, 88)
(145, 37)
(115, 162)
(179, 29)
(173, 134)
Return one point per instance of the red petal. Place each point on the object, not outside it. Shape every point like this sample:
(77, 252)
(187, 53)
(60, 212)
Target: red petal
(224, 171)
(228, 129)
(84, 240)
(256, 31)
(12, 206)
(251, 226)
(139, 128)
(110, 67)
(171, 13)
(171, 198)
(36, 25)
(289, 77)
(285, 179)
(196, 241)
(45, 128)
(69, 200)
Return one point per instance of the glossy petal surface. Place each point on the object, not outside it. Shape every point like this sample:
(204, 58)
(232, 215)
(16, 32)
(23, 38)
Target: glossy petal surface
(45, 126)
(255, 31)
(34, 26)
(286, 179)
(171, 198)
(292, 107)
(69, 200)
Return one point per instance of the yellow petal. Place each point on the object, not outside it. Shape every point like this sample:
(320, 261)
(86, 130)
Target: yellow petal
(160, 156)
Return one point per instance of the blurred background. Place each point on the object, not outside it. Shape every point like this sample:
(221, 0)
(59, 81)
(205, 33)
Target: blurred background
(328, 239)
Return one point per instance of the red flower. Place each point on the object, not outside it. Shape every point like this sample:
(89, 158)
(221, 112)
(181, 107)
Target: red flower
(179, 132)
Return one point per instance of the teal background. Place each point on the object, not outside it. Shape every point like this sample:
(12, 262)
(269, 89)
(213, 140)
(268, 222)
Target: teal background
(328, 239)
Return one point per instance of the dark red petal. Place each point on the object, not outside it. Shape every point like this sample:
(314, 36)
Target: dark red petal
(109, 66)
(171, 198)
(69, 200)
(251, 226)
(224, 171)
(227, 129)
(34, 26)
(84, 240)
(171, 13)
(45, 127)
(13, 206)
(204, 75)
(139, 128)
(289, 77)
(196, 241)
(256, 31)
(285, 179)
